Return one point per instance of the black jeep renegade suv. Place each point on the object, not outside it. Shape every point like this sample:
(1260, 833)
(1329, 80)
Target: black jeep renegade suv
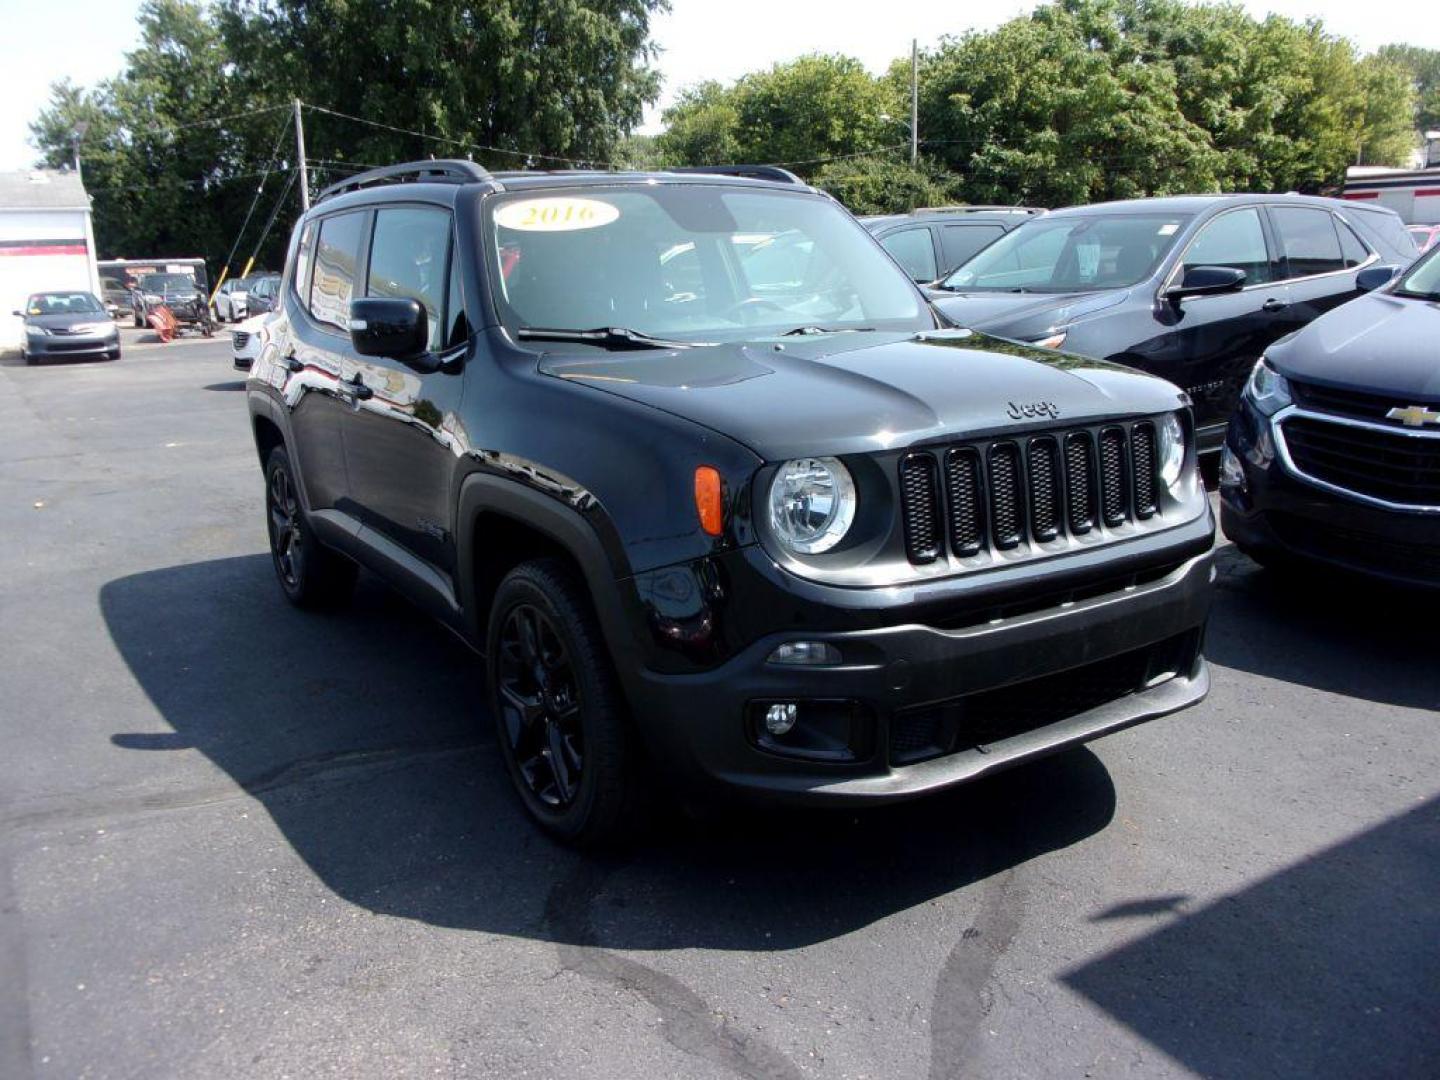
(716, 492)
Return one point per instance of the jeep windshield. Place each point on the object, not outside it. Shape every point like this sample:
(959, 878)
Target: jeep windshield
(1074, 253)
(163, 283)
(633, 266)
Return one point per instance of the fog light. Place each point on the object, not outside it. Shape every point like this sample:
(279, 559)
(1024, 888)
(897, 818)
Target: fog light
(806, 654)
(780, 717)
(1232, 474)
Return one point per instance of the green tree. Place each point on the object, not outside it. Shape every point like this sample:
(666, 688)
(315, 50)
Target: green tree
(802, 113)
(881, 184)
(1423, 66)
(529, 78)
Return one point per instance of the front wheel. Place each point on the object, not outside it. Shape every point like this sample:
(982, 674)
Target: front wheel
(559, 715)
(310, 574)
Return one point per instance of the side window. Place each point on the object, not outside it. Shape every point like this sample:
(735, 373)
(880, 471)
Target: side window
(304, 256)
(335, 254)
(1351, 248)
(1307, 240)
(457, 324)
(960, 242)
(913, 250)
(1236, 240)
(407, 260)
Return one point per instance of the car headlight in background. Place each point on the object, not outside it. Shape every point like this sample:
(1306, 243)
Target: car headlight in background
(37, 331)
(812, 504)
(1268, 389)
(1053, 340)
(1170, 450)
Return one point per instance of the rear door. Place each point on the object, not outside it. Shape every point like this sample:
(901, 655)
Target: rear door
(399, 441)
(1217, 339)
(959, 243)
(1320, 255)
(317, 354)
(913, 247)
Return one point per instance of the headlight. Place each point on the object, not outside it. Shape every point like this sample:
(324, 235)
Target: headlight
(37, 331)
(1268, 389)
(1170, 450)
(812, 503)
(1052, 340)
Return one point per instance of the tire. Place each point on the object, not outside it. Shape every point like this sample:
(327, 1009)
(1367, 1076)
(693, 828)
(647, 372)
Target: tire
(557, 699)
(311, 575)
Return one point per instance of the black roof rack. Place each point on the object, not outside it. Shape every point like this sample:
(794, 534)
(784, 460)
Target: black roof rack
(443, 171)
(752, 172)
(979, 208)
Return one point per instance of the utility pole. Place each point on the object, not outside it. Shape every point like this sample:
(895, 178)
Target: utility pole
(76, 135)
(300, 154)
(914, 102)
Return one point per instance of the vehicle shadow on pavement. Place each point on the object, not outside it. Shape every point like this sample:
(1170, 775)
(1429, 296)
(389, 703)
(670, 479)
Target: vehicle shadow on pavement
(1320, 970)
(1326, 631)
(364, 736)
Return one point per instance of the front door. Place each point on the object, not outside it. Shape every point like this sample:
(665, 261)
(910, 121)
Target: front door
(1214, 341)
(314, 350)
(400, 445)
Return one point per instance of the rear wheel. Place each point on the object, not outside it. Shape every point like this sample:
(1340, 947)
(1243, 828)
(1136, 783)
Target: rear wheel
(310, 574)
(559, 715)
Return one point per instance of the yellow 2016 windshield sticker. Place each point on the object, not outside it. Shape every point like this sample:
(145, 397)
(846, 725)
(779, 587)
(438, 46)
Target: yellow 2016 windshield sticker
(559, 214)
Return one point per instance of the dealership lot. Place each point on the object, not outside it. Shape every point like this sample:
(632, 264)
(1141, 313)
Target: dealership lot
(238, 840)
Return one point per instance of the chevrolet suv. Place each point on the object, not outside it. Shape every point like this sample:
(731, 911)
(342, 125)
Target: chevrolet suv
(715, 492)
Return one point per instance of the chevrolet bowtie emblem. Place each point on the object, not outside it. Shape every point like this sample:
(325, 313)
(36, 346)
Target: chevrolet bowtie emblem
(1414, 415)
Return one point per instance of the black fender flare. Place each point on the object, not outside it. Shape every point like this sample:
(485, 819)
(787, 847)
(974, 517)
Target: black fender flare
(566, 527)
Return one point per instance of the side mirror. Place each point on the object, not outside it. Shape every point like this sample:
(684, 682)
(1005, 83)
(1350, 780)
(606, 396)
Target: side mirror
(392, 328)
(18, 314)
(1207, 281)
(1375, 277)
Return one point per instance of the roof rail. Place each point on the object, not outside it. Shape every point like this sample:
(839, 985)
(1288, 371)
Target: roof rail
(979, 207)
(752, 172)
(444, 171)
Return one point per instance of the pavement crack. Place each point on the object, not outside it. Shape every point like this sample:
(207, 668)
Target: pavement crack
(686, 1021)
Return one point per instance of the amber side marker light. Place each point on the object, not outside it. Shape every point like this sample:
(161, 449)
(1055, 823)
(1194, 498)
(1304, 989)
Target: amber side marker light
(708, 503)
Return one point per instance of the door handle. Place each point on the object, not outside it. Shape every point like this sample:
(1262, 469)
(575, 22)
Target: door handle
(1274, 304)
(356, 388)
(293, 364)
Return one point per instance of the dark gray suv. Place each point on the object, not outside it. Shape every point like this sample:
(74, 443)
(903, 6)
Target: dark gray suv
(1190, 288)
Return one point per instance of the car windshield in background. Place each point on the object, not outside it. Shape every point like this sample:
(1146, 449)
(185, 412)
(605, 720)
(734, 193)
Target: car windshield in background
(1071, 254)
(1423, 280)
(63, 303)
(693, 262)
(167, 282)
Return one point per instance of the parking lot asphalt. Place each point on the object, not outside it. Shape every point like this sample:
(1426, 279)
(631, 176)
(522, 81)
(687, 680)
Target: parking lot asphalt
(241, 841)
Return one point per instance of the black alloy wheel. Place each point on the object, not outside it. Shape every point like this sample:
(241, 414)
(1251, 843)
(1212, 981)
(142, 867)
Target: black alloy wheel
(286, 533)
(310, 574)
(560, 716)
(540, 705)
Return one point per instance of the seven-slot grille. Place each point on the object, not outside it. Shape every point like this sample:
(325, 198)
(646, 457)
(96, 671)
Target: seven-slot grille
(1039, 488)
(1394, 467)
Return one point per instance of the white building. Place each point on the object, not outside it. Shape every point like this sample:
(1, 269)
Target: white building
(46, 241)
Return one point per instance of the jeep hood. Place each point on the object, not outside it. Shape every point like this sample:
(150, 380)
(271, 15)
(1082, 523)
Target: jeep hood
(1377, 344)
(862, 392)
(1024, 315)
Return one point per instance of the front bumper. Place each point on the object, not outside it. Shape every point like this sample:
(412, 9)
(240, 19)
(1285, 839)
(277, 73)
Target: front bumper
(73, 345)
(937, 706)
(1274, 511)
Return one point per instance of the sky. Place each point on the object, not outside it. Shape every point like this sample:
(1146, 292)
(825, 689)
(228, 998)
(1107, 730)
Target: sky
(86, 40)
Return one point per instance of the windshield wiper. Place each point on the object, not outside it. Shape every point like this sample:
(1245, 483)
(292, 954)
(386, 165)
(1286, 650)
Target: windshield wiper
(803, 330)
(611, 337)
(1416, 295)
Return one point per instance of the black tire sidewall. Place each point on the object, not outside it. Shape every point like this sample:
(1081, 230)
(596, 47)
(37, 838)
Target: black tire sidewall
(598, 707)
(279, 459)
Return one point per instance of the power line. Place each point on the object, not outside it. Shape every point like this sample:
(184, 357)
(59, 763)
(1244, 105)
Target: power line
(211, 121)
(449, 142)
(259, 188)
